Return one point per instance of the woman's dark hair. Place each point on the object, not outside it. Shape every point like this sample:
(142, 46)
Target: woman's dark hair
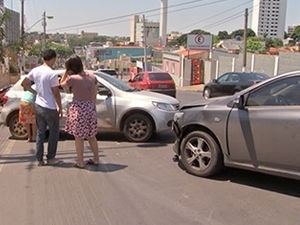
(49, 54)
(74, 64)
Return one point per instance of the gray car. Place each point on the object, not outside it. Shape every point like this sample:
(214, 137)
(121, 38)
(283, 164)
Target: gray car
(256, 129)
(138, 114)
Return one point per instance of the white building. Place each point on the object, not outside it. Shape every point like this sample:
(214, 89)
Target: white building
(139, 28)
(268, 18)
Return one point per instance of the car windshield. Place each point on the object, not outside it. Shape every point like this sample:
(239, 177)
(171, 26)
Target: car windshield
(115, 82)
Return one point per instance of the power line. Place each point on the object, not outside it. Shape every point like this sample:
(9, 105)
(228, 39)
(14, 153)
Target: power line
(124, 16)
(221, 21)
(109, 21)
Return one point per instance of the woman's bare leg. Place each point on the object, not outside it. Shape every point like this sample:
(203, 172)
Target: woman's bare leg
(79, 145)
(93, 142)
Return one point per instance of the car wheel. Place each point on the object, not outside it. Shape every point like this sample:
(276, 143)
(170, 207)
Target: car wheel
(207, 93)
(138, 128)
(16, 128)
(200, 154)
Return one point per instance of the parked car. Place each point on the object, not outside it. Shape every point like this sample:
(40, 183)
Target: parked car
(256, 129)
(3, 90)
(232, 82)
(154, 81)
(138, 114)
(111, 72)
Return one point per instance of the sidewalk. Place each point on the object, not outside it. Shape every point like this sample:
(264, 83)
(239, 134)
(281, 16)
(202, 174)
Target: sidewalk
(198, 87)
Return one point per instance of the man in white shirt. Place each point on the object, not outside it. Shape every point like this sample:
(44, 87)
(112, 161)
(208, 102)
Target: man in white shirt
(48, 106)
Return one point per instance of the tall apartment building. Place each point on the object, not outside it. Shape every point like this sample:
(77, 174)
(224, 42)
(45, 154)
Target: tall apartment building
(11, 25)
(268, 18)
(139, 28)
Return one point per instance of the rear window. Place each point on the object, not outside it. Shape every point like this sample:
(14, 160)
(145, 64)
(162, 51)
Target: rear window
(110, 72)
(160, 76)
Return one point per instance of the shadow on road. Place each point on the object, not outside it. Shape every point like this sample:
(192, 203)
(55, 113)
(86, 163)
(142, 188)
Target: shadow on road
(257, 180)
(161, 139)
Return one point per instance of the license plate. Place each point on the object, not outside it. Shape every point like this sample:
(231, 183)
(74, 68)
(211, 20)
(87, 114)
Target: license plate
(162, 86)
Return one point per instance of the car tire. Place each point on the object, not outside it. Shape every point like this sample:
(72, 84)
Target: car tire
(16, 128)
(200, 154)
(206, 93)
(138, 128)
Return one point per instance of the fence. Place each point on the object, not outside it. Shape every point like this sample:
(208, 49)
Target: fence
(268, 64)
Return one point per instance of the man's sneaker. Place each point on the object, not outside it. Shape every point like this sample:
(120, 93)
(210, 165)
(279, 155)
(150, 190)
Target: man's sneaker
(41, 163)
(54, 162)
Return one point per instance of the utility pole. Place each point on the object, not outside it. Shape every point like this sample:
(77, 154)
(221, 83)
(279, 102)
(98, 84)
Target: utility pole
(245, 40)
(44, 32)
(145, 45)
(44, 23)
(22, 24)
(21, 55)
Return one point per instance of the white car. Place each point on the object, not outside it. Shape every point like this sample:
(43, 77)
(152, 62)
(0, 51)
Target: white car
(138, 114)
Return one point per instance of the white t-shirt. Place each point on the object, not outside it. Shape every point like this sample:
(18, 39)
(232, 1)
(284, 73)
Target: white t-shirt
(44, 78)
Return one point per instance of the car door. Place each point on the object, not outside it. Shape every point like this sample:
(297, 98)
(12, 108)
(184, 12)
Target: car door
(105, 106)
(138, 82)
(266, 134)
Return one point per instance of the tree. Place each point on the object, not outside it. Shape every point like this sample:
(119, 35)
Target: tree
(240, 33)
(3, 18)
(296, 34)
(223, 35)
(254, 45)
(275, 43)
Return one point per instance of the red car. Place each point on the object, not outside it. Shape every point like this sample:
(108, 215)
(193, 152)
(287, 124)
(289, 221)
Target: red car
(155, 81)
(3, 90)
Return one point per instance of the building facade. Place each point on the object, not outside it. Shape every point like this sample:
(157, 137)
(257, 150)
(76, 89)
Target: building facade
(144, 30)
(268, 18)
(11, 25)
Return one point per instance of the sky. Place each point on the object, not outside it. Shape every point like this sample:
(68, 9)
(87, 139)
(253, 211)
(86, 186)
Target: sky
(112, 17)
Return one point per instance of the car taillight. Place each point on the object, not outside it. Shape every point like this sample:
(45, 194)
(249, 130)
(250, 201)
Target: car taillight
(4, 99)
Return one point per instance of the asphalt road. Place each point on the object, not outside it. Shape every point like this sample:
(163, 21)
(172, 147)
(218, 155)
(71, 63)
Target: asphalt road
(136, 183)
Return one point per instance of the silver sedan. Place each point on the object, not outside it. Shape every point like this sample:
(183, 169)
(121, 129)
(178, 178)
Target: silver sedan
(256, 129)
(138, 114)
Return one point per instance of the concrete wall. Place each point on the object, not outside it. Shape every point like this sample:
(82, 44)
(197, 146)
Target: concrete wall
(269, 64)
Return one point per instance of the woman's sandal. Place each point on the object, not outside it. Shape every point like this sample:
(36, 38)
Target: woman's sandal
(77, 166)
(92, 162)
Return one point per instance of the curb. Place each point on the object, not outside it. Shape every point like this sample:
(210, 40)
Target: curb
(196, 88)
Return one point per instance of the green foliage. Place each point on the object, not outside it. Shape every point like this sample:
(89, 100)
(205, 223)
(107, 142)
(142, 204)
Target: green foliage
(61, 50)
(13, 68)
(296, 34)
(254, 45)
(240, 32)
(3, 18)
(223, 35)
(273, 42)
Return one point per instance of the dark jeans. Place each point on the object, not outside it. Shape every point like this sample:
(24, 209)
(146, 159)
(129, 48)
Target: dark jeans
(46, 118)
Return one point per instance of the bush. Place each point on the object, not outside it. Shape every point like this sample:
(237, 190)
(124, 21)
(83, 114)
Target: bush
(13, 69)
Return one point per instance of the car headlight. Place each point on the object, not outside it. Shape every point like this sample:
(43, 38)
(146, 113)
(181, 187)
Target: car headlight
(165, 106)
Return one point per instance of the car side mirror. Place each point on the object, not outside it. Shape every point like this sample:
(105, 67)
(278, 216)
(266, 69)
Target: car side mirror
(104, 91)
(215, 81)
(239, 102)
